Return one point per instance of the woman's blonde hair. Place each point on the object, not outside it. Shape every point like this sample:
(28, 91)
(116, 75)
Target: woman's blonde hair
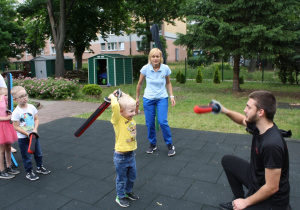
(155, 50)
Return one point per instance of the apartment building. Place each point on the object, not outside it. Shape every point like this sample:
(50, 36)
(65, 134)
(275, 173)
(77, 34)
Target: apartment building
(126, 45)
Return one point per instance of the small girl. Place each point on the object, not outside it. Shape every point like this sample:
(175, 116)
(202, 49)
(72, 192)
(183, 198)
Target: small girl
(8, 135)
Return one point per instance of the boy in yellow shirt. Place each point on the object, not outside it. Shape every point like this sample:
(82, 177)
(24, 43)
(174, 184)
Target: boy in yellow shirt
(125, 144)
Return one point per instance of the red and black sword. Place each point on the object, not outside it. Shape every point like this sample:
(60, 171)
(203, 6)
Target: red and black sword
(96, 114)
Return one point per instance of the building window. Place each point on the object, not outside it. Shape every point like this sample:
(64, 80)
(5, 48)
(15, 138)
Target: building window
(103, 47)
(112, 46)
(138, 45)
(121, 46)
(53, 50)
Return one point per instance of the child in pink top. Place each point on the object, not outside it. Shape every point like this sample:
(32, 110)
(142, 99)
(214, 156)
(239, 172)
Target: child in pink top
(8, 135)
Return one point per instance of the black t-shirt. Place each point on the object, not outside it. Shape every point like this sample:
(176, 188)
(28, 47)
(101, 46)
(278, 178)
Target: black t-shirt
(269, 150)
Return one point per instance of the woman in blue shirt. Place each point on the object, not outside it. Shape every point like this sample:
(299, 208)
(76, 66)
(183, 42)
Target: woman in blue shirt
(157, 77)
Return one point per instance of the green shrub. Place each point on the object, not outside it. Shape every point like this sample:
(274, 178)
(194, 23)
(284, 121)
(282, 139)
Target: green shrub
(199, 77)
(92, 89)
(217, 79)
(50, 88)
(138, 61)
(196, 61)
(178, 75)
(182, 79)
(241, 80)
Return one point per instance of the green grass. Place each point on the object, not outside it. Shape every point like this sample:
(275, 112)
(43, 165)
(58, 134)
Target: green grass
(190, 94)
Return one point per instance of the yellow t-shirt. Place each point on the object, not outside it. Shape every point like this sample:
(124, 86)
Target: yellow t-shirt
(125, 130)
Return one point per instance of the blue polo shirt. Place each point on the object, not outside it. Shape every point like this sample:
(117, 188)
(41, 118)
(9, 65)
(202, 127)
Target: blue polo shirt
(155, 81)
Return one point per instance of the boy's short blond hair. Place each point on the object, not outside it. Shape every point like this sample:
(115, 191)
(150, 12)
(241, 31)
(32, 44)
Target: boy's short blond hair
(16, 89)
(126, 100)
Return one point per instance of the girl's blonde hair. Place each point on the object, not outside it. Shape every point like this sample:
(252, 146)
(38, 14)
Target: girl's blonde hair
(3, 91)
(155, 50)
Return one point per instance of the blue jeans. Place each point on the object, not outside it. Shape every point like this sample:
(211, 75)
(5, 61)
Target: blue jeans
(126, 172)
(162, 117)
(26, 157)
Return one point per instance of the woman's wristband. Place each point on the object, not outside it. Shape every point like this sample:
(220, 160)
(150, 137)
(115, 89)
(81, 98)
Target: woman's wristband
(172, 96)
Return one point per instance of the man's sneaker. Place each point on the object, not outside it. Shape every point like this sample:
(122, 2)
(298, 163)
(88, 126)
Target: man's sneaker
(123, 202)
(171, 150)
(5, 175)
(151, 149)
(132, 196)
(42, 170)
(226, 206)
(10, 170)
(31, 176)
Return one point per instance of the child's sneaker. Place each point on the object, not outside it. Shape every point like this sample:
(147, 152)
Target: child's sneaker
(132, 196)
(31, 176)
(5, 175)
(42, 170)
(151, 149)
(171, 150)
(10, 170)
(123, 202)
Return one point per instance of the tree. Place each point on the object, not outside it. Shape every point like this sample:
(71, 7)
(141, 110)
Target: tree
(146, 13)
(84, 21)
(59, 30)
(12, 34)
(241, 27)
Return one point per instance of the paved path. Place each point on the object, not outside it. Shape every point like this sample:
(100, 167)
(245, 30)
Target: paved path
(53, 110)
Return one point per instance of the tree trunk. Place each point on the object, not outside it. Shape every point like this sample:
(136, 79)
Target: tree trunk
(78, 58)
(251, 68)
(59, 33)
(236, 73)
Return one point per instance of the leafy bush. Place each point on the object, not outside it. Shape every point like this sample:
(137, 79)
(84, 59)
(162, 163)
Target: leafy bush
(178, 75)
(199, 77)
(241, 80)
(92, 89)
(196, 61)
(217, 79)
(138, 61)
(182, 79)
(51, 88)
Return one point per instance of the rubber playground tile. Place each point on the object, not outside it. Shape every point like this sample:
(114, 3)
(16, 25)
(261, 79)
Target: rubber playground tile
(78, 205)
(184, 134)
(12, 192)
(80, 150)
(56, 180)
(165, 202)
(221, 148)
(209, 136)
(59, 147)
(238, 139)
(190, 144)
(108, 202)
(88, 190)
(208, 193)
(206, 173)
(194, 156)
(168, 185)
(69, 163)
(165, 166)
(41, 199)
(97, 169)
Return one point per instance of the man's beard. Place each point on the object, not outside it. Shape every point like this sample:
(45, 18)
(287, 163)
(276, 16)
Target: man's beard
(252, 120)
